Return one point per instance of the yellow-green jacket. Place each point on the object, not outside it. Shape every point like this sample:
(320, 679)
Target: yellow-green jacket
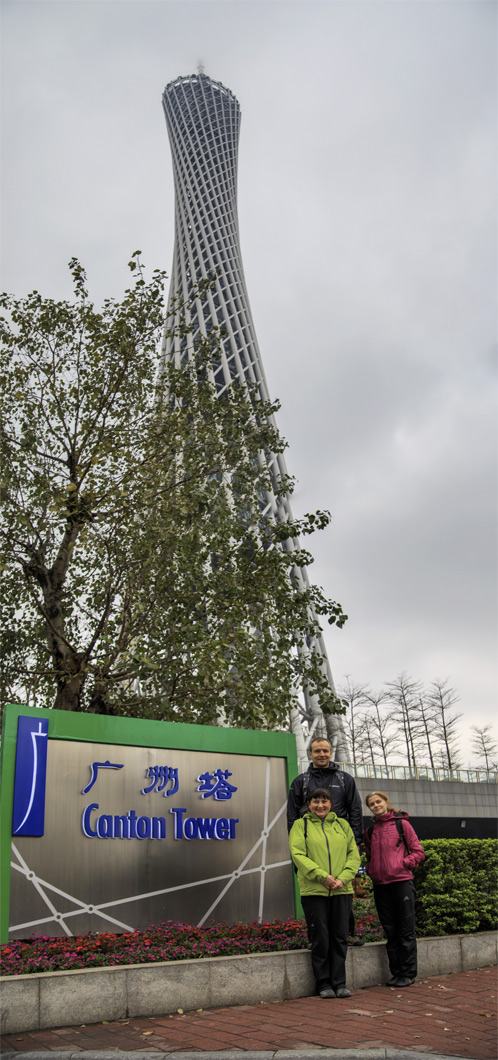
(323, 848)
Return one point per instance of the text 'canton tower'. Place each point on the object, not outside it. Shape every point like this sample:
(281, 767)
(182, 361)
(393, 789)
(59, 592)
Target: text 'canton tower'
(203, 120)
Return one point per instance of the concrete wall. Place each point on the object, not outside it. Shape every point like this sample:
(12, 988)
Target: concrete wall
(66, 999)
(448, 802)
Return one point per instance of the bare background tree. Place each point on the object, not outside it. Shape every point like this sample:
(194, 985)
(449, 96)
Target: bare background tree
(441, 699)
(403, 694)
(406, 724)
(382, 722)
(426, 718)
(354, 699)
(485, 746)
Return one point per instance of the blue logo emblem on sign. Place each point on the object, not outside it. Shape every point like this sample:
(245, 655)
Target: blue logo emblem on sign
(28, 816)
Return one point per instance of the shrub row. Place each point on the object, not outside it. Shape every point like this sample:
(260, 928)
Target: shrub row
(457, 886)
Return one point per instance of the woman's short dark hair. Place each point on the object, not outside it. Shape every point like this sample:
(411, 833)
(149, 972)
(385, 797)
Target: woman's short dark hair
(324, 793)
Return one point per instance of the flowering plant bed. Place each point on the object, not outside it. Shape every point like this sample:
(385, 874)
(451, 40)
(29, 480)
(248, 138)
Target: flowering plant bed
(167, 942)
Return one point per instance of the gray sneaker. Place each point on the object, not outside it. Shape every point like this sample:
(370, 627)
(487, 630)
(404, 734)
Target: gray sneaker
(342, 991)
(327, 991)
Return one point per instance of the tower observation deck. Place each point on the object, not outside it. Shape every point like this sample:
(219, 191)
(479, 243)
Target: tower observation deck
(203, 122)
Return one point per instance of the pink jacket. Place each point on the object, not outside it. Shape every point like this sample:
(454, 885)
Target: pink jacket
(387, 858)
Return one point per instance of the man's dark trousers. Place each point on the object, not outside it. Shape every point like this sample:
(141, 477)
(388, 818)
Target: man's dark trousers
(327, 920)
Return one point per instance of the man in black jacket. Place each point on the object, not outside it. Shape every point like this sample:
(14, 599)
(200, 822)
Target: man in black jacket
(346, 802)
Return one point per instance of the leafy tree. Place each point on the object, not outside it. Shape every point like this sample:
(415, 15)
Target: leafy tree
(139, 576)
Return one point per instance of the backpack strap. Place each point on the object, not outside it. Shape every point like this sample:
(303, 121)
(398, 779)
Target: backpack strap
(399, 826)
(344, 825)
(401, 832)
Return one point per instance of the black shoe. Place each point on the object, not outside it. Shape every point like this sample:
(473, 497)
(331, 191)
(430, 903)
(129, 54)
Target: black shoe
(404, 981)
(393, 981)
(342, 991)
(327, 991)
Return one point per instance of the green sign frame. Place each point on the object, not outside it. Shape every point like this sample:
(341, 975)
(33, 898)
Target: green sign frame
(66, 725)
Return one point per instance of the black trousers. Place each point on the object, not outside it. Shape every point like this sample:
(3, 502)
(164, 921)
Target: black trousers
(327, 920)
(395, 904)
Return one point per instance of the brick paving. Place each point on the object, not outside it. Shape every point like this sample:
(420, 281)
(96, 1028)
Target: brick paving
(452, 1015)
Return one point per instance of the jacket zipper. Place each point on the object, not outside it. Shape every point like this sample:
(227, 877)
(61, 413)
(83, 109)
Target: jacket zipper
(386, 867)
(328, 852)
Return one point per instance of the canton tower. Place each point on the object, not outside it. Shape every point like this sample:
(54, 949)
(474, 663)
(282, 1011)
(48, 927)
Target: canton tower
(203, 122)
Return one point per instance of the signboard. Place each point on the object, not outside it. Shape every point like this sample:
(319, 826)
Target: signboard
(115, 824)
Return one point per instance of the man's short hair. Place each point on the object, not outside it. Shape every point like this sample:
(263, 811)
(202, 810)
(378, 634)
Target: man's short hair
(320, 739)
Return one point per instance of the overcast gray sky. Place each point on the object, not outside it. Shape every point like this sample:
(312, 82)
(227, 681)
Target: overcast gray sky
(367, 206)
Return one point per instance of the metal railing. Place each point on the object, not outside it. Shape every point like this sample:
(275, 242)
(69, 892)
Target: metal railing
(379, 772)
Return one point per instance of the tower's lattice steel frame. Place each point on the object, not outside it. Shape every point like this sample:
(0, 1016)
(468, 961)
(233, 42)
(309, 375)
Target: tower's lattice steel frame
(203, 121)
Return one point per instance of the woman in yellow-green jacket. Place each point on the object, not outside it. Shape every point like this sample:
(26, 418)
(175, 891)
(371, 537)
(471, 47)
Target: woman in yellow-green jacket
(325, 854)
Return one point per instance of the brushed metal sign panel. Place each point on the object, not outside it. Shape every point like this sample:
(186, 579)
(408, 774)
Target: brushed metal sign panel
(207, 841)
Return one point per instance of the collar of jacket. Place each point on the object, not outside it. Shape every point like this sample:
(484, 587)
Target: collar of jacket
(331, 768)
(331, 816)
(389, 816)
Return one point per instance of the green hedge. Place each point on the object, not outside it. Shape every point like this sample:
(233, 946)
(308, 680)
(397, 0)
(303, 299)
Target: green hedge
(457, 886)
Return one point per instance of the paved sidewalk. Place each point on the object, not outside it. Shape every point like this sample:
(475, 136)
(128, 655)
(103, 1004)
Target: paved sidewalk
(447, 1015)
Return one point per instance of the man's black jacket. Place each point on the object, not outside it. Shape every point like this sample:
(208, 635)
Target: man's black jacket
(346, 801)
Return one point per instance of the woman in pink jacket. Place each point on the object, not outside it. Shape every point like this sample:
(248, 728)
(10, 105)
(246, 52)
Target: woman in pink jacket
(393, 850)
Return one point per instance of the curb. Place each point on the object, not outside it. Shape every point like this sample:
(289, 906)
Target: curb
(94, 995)
(279, 1054)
